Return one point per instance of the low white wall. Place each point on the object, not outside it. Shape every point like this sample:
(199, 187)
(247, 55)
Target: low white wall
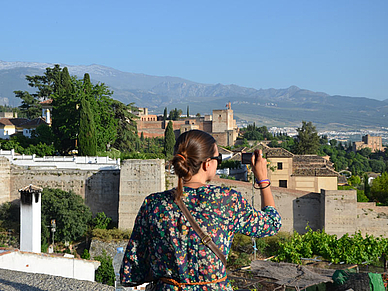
(49, 264)
(62, 162)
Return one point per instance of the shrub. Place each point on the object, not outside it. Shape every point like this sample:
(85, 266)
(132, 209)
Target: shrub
(110, 234)
(105, 273)
(85, 255)
(101, 221)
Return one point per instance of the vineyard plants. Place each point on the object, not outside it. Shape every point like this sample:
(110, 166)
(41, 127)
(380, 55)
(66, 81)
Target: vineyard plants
(349, 249)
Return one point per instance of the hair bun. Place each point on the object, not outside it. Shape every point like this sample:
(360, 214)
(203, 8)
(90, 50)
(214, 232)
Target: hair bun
(182, 156)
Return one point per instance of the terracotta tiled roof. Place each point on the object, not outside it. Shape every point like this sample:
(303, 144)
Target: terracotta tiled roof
(224, 151)
(342, 179)
(12, 121)
(33, 123)
(326, 172)
(236, 157)
(312, 165)
(46, 102)
(271, 152)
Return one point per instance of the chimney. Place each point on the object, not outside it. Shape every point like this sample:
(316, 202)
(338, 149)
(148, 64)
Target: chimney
(30, 219)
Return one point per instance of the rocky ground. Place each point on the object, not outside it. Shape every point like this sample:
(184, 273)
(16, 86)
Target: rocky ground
(16, 281)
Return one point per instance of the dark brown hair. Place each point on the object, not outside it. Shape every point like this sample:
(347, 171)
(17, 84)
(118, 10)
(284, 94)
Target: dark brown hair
(191, 149)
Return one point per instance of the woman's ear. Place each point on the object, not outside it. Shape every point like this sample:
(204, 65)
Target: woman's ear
(205, 165)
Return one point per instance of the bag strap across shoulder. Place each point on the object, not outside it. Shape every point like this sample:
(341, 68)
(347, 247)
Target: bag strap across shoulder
(206, 239)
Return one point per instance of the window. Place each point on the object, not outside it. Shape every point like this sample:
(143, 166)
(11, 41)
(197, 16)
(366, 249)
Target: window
(283, 183)
(280, 166)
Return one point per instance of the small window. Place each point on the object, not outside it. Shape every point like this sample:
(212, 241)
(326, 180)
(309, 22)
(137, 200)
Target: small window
(280, 166)
(283, 183)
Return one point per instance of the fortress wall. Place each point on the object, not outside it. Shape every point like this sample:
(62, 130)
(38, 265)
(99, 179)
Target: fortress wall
(372, 219)
(5, 178)
(99, 189)
(297, 208)
(138, 178)
(339, 211)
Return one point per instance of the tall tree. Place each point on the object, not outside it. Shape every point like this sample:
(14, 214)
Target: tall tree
(379, 189)
(65, 117)
(307, 140)
(165, 114)
(70, 212)
(127, 137)
(188, 112)
(87, 131)
(30, 106)
(169, 140)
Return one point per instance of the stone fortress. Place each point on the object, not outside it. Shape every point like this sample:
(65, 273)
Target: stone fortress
(304, 187)
(120, 193)
(220, 124)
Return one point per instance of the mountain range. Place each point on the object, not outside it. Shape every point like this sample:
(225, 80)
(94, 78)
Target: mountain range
(270, 107)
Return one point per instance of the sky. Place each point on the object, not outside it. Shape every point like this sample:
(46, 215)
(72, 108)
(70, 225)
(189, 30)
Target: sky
(336, 47)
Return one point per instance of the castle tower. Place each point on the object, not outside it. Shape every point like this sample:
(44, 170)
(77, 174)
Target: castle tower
(30, 219)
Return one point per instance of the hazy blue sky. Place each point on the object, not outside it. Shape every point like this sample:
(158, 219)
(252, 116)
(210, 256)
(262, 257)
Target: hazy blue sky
(337, 47)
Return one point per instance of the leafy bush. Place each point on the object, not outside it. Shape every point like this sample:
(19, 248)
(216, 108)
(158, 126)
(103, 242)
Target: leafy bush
(111, 234)
(105, 273)
(85, 255)
(348, 249)
(101, 221)
(68, 209)
(231, 164)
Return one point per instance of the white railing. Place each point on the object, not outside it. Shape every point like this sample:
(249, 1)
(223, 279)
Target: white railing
(61, 162)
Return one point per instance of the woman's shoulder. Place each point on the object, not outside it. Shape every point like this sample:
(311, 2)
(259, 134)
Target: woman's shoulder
(159, 197)
(223, 190)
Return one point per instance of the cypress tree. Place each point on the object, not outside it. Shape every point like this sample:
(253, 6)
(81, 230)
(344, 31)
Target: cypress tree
(87, 134)
(169, 140)
(188, 114)
(165, 114)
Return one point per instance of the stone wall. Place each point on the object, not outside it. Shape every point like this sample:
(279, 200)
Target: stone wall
(5, 180)
(99, 189)
(372, 219)
(339, 211)
(139, 178)
(120, 194)
(297, 208)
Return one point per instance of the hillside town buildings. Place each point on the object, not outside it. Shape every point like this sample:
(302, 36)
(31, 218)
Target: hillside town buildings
(221, 125)
(368, 141)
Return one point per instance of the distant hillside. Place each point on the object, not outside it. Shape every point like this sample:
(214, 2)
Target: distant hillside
(279, 107)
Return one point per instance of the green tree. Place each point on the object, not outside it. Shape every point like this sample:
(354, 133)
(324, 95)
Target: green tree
(104, 113)
(307, 140)
(379, 189)
(175, 114)
(30, 106)
(43, 134)
(87, 132)
(68, 209)
(101, 221)
(65, 117)
(169, 140)
(127, 136)
(105, 273)
(165, 114)
(188, 112)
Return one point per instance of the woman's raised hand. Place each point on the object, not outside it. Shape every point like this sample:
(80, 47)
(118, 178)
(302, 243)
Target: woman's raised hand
(259, 165)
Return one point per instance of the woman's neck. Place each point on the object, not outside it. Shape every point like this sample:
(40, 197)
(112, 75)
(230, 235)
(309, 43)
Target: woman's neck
(194, 184)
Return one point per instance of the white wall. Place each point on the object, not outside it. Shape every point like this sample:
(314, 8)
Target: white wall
(62, 162)
(30, 224)
(49, 264)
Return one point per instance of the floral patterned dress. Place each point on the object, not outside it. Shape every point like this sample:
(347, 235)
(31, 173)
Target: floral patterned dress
(163, 244)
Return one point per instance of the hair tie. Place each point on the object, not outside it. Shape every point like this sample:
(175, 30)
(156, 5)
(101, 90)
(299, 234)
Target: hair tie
(181, 157)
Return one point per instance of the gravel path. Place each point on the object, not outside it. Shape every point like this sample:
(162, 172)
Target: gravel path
(14, 280)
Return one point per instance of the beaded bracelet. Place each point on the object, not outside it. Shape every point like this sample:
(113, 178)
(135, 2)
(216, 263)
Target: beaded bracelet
(262, 181)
